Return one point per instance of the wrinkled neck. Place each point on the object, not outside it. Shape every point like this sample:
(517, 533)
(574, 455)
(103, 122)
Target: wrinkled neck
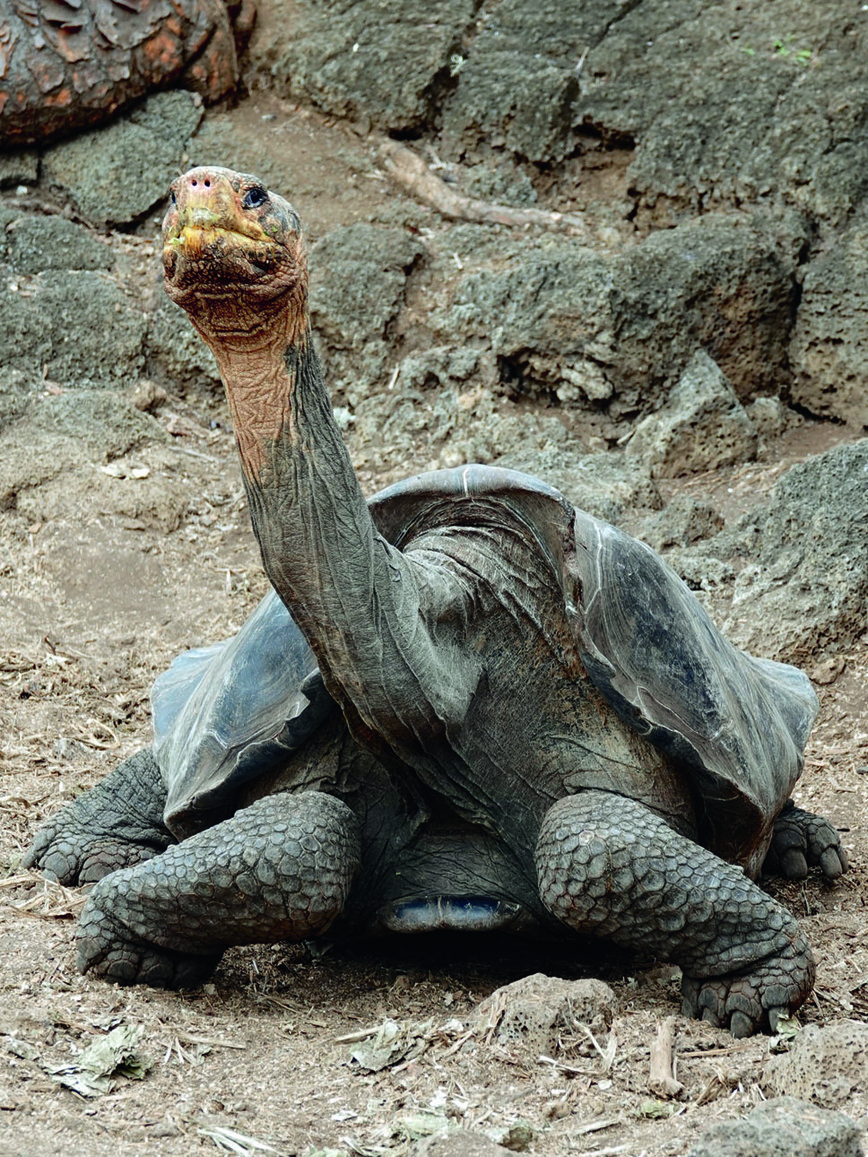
(307, 508)
(355, 597)
(258, 361)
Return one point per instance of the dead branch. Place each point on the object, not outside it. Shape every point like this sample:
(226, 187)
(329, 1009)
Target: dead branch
(661, 1081)
(409, 171)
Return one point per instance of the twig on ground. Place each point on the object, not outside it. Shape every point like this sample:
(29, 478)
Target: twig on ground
(408, 170)
(564, 1068)
(596, 1126)
(351, 1038)
(211, 1042)
(662, 1081)
(608, 1053)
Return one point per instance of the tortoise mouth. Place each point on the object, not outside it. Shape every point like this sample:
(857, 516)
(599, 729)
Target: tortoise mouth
(214, 253)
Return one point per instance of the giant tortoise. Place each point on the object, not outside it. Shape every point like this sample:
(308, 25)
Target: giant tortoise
(468, 705)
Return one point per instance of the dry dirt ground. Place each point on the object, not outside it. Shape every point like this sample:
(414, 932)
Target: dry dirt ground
(91, 610)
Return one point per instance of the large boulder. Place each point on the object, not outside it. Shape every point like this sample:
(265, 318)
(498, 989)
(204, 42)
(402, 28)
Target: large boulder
(719, 282)
(720, 103)
(356, 295)
(519, 82)
(176, 355)
(805, 589)
(829, 348)
(784, 1127)
(56, 329)
(385, 61)
(701, 426)
(51, 267)
(117, 174)
(747, 103)
(546, 317)
(614, 333)
(825, 1064)
(537, 1010)
(56, 434)
(31, 244)
(682, 522)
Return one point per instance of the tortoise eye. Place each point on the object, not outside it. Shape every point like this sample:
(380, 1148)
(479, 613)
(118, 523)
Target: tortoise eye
(254, 197)
(173, 196)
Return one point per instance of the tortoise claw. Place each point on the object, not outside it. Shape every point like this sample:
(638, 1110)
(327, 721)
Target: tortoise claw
(70, 861)
(114, 825)
(754, 999)
(802, 840)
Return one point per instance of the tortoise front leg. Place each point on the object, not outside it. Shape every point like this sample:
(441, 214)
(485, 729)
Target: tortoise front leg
(115, 824)
(277, 870)
(609, 867)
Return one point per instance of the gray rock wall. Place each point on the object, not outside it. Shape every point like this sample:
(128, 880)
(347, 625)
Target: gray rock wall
(701, 426)
(114, 175)
(805, 588)
(722, 105)
(723, 101)
(758, 111)
(384, 61)
(616, 331)
(829, 347)
(765, 102)
(783, 1127)
(725, 286)
(826, 1064)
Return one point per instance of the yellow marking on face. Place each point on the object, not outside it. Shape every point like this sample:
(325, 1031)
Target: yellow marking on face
(194, 240)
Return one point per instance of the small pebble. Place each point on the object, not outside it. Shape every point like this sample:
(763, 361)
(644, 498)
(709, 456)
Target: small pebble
(163, 1129)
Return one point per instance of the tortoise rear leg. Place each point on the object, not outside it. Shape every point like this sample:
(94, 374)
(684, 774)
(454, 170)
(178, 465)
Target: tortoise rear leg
(801, 840)
(609, 867)
(277, 870)
(117, 823)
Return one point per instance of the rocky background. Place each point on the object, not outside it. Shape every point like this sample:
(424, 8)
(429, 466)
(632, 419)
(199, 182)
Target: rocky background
(622, 246)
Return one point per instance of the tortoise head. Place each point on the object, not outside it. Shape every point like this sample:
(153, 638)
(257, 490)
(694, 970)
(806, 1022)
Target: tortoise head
(233, 254)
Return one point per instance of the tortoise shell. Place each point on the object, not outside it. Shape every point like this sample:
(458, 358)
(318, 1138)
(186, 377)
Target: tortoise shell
(738, 725)
(71, 63)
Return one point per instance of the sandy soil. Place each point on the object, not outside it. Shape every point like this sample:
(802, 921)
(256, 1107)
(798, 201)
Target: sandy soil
(258, 1052)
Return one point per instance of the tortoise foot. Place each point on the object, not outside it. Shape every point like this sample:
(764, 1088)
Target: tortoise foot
(109, 950)
(61, 856)
(610, 867)
(279, 869)
(116, 824)
(753, 999)
(802, 840)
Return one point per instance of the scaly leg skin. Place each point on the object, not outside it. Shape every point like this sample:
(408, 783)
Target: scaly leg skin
(119, 822)
(277, 870)
(609, 867)
(801, 840)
